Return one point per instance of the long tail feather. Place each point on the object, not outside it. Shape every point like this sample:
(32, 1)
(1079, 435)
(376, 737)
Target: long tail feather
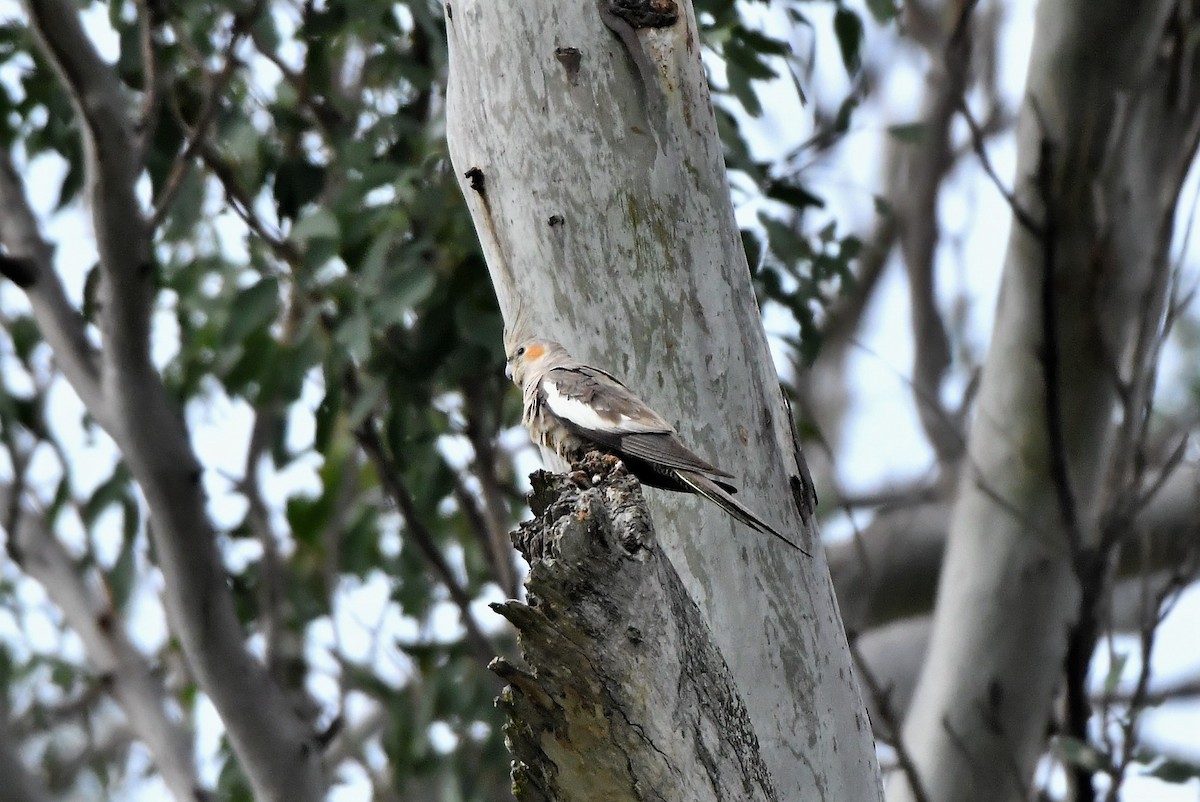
(717, 495)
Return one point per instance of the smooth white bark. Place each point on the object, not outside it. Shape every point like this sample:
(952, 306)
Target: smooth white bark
(606, 220)
(1113, 121)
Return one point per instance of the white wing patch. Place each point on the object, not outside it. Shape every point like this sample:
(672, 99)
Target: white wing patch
(585, 417)
(575, 411)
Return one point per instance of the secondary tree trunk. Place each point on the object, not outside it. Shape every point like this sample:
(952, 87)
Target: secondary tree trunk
(589, 157)
(1106, 134)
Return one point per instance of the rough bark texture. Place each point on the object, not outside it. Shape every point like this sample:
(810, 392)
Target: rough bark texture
(1106, 132)
(628, 699)
(590, 161)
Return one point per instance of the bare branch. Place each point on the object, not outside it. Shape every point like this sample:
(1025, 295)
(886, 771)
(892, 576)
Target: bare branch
(420, 535)
(494, 534)
(199, 130)
(885, 713)
(272, 592)
(1154, 611)
(243, 204)
(126, 672)
(891, 571)
(112, 169)
(276, 747)
(914, 185)
(979, 142)
(148, 22)
(57, 319)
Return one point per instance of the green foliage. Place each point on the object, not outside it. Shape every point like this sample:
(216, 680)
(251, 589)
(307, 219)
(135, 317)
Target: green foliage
(1172, 770)
(791, 254)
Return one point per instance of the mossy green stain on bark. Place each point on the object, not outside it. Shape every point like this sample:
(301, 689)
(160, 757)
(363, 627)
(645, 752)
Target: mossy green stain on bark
(655, 245)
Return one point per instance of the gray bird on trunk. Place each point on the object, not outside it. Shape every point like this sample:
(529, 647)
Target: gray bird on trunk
(570, 408)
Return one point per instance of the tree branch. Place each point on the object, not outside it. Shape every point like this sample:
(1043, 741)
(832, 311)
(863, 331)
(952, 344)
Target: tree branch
(272, 595)
(198, 131)
(57, 319)
(112, 169)
(627, 691)
(884, 712)
(493, 534)
(275, 746)
(149, 18)
(124, 671)
(890, 571)
(420, 535)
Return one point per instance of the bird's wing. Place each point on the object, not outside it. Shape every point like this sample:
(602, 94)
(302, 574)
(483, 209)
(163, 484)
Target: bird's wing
(602, 409)
(593, 400)
(719, 496)
(667, 451)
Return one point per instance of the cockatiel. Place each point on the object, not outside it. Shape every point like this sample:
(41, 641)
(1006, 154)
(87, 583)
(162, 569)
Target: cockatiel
(570, 407)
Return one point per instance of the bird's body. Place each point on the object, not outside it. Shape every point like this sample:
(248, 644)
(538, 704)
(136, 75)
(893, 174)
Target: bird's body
(570, 407)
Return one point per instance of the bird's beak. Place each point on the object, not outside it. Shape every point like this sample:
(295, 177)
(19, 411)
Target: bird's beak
(508, 370)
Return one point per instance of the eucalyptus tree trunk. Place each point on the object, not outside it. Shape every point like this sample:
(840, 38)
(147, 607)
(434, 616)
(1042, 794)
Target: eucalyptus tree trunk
(1107, 131)
(588, 154)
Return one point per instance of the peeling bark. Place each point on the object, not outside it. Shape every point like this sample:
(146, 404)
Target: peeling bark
(628, 697)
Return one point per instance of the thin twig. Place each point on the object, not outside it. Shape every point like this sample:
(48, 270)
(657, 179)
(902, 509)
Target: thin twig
(272, 593)
(243, 205)
(419, 534)
(1164, 600)
(198, 131)
(145, 125)
(883, 704)
(979, 144)
(495, 533)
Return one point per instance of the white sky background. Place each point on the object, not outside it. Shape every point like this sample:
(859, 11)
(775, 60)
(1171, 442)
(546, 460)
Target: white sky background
(883, 443)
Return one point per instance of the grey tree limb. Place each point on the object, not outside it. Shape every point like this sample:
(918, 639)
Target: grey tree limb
(1106, 132)
(627, 696)
(276, 747)
(125, 671)
(111, 157)
(914, 185)
(59, 321)
(890, 570)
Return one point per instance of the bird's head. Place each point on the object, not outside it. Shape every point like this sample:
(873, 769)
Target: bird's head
(530, 357)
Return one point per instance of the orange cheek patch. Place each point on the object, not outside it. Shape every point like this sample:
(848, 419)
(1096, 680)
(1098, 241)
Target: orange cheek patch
(534, 352)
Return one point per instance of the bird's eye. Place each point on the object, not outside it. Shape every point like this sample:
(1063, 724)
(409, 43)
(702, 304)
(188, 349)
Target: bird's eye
(521, 351)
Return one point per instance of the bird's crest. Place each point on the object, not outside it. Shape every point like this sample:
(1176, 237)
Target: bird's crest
(517, 329)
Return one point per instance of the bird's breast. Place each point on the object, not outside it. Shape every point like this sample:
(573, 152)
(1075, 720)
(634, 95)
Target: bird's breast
(548, 430)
